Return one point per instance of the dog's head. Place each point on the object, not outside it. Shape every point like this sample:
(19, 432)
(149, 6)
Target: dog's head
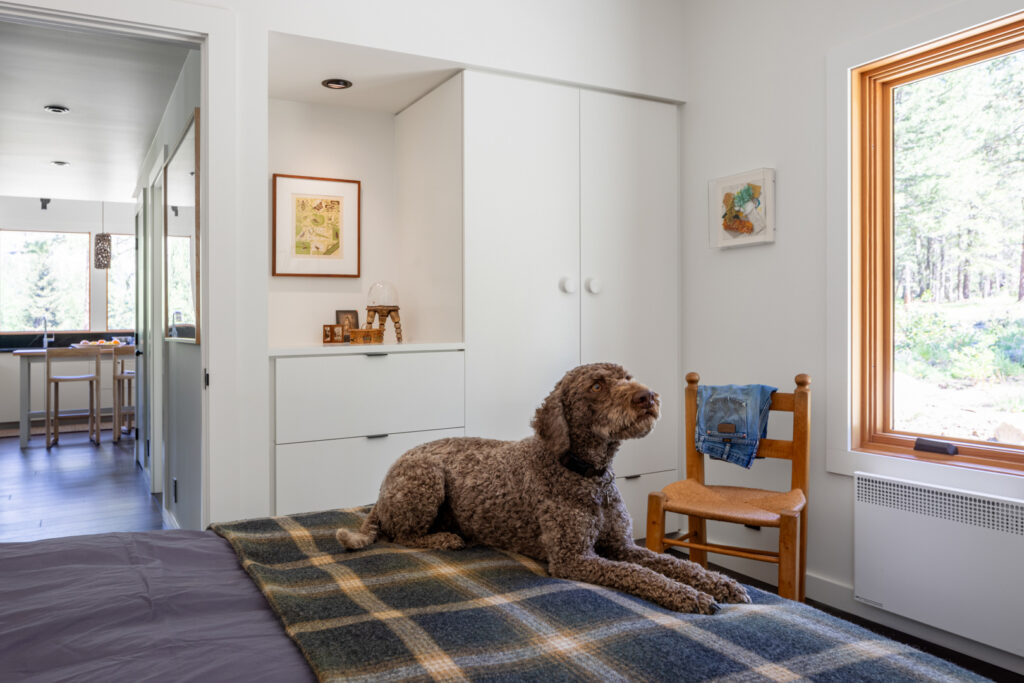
(592, 407)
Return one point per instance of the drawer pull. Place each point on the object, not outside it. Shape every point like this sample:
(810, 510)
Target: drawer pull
(379, 354)
(379, 436)
(632, 477)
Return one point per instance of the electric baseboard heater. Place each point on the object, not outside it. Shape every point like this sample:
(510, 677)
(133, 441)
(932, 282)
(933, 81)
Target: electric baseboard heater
(947, 558)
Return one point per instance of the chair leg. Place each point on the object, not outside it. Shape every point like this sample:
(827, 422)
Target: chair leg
(803, 554)
(95, 388)
(56, 413)
(656, 522)
(115, 427)
(788, 545)
(49, 422)
(698, 528)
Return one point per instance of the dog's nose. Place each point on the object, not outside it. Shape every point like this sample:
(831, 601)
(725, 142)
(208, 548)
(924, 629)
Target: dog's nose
(644, 397)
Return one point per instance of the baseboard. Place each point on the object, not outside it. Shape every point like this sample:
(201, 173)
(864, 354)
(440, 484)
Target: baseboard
(170, 522)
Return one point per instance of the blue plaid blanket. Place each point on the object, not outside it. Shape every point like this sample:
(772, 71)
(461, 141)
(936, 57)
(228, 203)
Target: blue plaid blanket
(394, 613)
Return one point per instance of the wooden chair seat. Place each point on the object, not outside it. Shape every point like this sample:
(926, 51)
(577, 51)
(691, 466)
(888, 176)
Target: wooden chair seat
(73, 378)
(737, 504)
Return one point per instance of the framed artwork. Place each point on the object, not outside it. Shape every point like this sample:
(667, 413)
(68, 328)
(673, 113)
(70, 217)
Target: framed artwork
(316, 226)
(349, 320)
(741, 209)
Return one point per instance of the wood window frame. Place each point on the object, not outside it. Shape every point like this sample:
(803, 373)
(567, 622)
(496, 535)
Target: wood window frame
(872, 237)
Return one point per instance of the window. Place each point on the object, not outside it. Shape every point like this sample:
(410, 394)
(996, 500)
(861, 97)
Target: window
(121, 283)
(44, 277)
(180, 285)
(938, 248)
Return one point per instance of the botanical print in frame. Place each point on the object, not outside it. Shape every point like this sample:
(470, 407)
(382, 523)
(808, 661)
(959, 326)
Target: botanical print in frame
(316, 226)
(317, 223)
(741, 209)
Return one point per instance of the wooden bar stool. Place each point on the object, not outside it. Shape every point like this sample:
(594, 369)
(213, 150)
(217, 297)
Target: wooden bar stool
(124, 408)
(54, 381)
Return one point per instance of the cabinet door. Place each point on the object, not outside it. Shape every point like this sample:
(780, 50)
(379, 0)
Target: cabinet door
(521, 184)
(322, 475)
(334, 397)
(629, 257)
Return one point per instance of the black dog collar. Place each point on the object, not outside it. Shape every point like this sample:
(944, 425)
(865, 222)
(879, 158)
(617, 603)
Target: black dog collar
(581, 467)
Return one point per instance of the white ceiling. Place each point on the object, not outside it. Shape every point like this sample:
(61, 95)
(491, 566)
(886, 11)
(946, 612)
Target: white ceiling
(117, 89)
(382, 80)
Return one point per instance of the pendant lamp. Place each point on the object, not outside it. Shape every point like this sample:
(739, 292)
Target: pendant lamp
(102, 248)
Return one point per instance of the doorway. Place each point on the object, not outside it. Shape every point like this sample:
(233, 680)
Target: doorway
(99, 100)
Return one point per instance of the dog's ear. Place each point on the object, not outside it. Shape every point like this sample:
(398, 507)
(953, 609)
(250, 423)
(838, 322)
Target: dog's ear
(549, 424)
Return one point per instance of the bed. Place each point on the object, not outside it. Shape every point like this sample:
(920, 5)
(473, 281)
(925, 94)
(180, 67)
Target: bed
(276, 599)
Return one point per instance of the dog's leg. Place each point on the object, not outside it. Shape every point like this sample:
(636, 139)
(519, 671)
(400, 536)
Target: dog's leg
(723, 588)
(440, 541)
(635, 580)
(410, 499)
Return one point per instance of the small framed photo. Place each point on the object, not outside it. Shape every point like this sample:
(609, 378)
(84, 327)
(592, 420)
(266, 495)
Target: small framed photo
(335, 334)
(741, 209)
(349, 320)
(316, 229)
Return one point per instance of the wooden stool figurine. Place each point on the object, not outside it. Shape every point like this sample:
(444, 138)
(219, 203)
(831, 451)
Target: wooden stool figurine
(383, 313)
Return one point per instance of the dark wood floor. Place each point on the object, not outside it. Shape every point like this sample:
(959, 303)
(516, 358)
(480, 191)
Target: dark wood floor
(72, 489)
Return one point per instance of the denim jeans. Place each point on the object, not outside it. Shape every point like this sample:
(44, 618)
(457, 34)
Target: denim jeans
(731, 421)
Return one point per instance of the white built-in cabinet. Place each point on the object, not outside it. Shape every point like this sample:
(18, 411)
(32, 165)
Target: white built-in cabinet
(343, 415)
(571, 256)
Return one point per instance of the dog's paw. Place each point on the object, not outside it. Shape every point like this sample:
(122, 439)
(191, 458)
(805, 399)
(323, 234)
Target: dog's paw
(728, 590)
(692, 601)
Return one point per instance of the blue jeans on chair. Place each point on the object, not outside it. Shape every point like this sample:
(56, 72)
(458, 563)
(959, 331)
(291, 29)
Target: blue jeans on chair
(731, 421)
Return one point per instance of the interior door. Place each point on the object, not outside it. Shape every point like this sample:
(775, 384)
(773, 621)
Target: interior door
(629, 255)
(153, 351)
(141, 399)
(521, 185)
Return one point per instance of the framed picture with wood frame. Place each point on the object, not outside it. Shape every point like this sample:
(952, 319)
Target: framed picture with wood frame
(316, 230)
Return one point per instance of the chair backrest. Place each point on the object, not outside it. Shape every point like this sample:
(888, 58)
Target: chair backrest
(797, 449)
(121, 354)
(84, 353)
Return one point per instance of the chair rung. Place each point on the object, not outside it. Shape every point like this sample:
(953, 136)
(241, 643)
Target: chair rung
(762, 555)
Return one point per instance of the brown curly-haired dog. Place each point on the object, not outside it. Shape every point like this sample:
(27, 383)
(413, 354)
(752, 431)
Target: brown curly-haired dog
(551, 496)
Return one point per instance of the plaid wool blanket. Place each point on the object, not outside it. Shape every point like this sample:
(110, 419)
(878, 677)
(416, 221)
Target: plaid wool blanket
(394, 613)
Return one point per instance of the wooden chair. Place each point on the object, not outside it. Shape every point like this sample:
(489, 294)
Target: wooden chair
(750, 506)
(53, 381)
(124, 411)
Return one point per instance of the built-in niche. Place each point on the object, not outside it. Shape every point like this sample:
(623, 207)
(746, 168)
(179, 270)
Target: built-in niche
(397, 131)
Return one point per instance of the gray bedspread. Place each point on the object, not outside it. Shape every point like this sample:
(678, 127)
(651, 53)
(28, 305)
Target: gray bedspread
(156, 606)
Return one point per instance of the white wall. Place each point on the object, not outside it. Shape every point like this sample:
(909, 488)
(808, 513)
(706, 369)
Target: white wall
(764, 102)
(61, 215)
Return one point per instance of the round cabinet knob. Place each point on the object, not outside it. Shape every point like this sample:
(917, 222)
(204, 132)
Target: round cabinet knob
(567, 285)
(593, 285)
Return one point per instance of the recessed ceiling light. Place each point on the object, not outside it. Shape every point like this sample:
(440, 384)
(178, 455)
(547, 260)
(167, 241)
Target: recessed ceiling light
(56, 109)
(336, 83)
(61, 163)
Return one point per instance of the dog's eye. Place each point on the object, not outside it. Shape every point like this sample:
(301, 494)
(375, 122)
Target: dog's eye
(598, 386)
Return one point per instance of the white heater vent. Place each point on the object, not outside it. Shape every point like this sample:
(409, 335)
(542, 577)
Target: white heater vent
(945, 557)
(954, 506)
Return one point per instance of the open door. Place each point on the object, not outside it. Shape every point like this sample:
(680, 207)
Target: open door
(142, 335)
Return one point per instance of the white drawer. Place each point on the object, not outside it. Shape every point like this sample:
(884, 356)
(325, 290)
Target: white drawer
(336, 397)
(341, 473)
(634, 491)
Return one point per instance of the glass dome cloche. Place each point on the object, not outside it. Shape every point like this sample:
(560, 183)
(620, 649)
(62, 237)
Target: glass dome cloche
(382, 293)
